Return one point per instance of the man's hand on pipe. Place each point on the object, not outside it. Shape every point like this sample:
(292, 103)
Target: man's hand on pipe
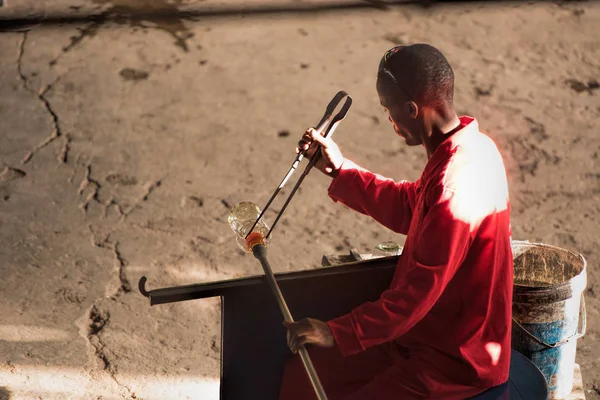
(331, 157)
(308, 330)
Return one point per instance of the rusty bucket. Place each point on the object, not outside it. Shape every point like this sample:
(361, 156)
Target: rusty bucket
(548, 310)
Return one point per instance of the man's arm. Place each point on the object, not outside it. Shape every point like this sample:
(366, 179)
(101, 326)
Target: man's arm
(443, 244)
(389, 203)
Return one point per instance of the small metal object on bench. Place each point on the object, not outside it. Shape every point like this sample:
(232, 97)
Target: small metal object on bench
(354, 256)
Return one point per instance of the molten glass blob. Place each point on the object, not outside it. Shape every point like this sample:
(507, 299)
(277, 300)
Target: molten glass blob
(241, 218)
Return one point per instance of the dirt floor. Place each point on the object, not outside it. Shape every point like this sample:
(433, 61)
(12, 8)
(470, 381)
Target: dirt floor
(125, 143)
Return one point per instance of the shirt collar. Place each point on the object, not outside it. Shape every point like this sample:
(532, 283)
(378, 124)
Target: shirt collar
(446, 148)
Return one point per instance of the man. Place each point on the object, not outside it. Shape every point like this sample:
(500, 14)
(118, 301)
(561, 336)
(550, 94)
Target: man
(442, 329)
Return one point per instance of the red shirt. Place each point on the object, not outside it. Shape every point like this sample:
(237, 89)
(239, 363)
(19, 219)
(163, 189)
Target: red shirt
(449, 303)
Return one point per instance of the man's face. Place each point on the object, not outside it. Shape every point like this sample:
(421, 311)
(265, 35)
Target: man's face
(399, 115)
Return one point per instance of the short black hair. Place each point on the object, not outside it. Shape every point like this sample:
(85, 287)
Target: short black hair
(421, 71)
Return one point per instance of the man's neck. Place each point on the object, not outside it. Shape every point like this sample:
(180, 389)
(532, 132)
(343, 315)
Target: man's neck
(438, 127)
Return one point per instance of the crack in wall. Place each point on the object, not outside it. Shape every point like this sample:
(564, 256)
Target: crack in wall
(107, 244)
(86, 182)
(113, 203)
(104, 243)
(132, 395)
(98, 318)
(41, 96)
(125, 285)
(87, 31)
(149, 189)
(94, 195)
(63, 156)
(94, 323)
(74, 171)
(10, 173)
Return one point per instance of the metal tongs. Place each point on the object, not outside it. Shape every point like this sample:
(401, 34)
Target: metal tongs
(325, 127)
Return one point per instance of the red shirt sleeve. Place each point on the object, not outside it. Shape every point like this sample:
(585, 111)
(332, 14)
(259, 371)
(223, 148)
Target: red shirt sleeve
(443, 242)
(388, 202)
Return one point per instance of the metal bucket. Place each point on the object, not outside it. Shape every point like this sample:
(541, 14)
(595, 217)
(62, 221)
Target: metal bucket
(548, 310)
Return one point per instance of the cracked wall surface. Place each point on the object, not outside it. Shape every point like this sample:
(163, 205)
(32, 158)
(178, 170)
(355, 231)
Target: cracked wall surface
(41, 95)
(124, 145)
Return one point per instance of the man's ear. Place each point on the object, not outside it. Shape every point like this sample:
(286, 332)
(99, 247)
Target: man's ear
(412, 109)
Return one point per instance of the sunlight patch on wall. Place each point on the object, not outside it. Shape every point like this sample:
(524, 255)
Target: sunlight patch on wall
(32, 382)
(24, 333)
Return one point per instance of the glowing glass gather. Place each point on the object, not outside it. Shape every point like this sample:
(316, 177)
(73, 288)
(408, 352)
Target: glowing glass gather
(241, 218)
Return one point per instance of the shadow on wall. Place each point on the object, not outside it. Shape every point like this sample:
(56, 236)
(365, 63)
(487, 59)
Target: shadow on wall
(166, 10)
(4, 392)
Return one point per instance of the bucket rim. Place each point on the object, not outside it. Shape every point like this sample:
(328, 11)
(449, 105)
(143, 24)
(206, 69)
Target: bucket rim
(577, 283)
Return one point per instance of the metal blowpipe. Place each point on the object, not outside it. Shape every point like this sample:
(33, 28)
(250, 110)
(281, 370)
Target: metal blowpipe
(240, 219)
